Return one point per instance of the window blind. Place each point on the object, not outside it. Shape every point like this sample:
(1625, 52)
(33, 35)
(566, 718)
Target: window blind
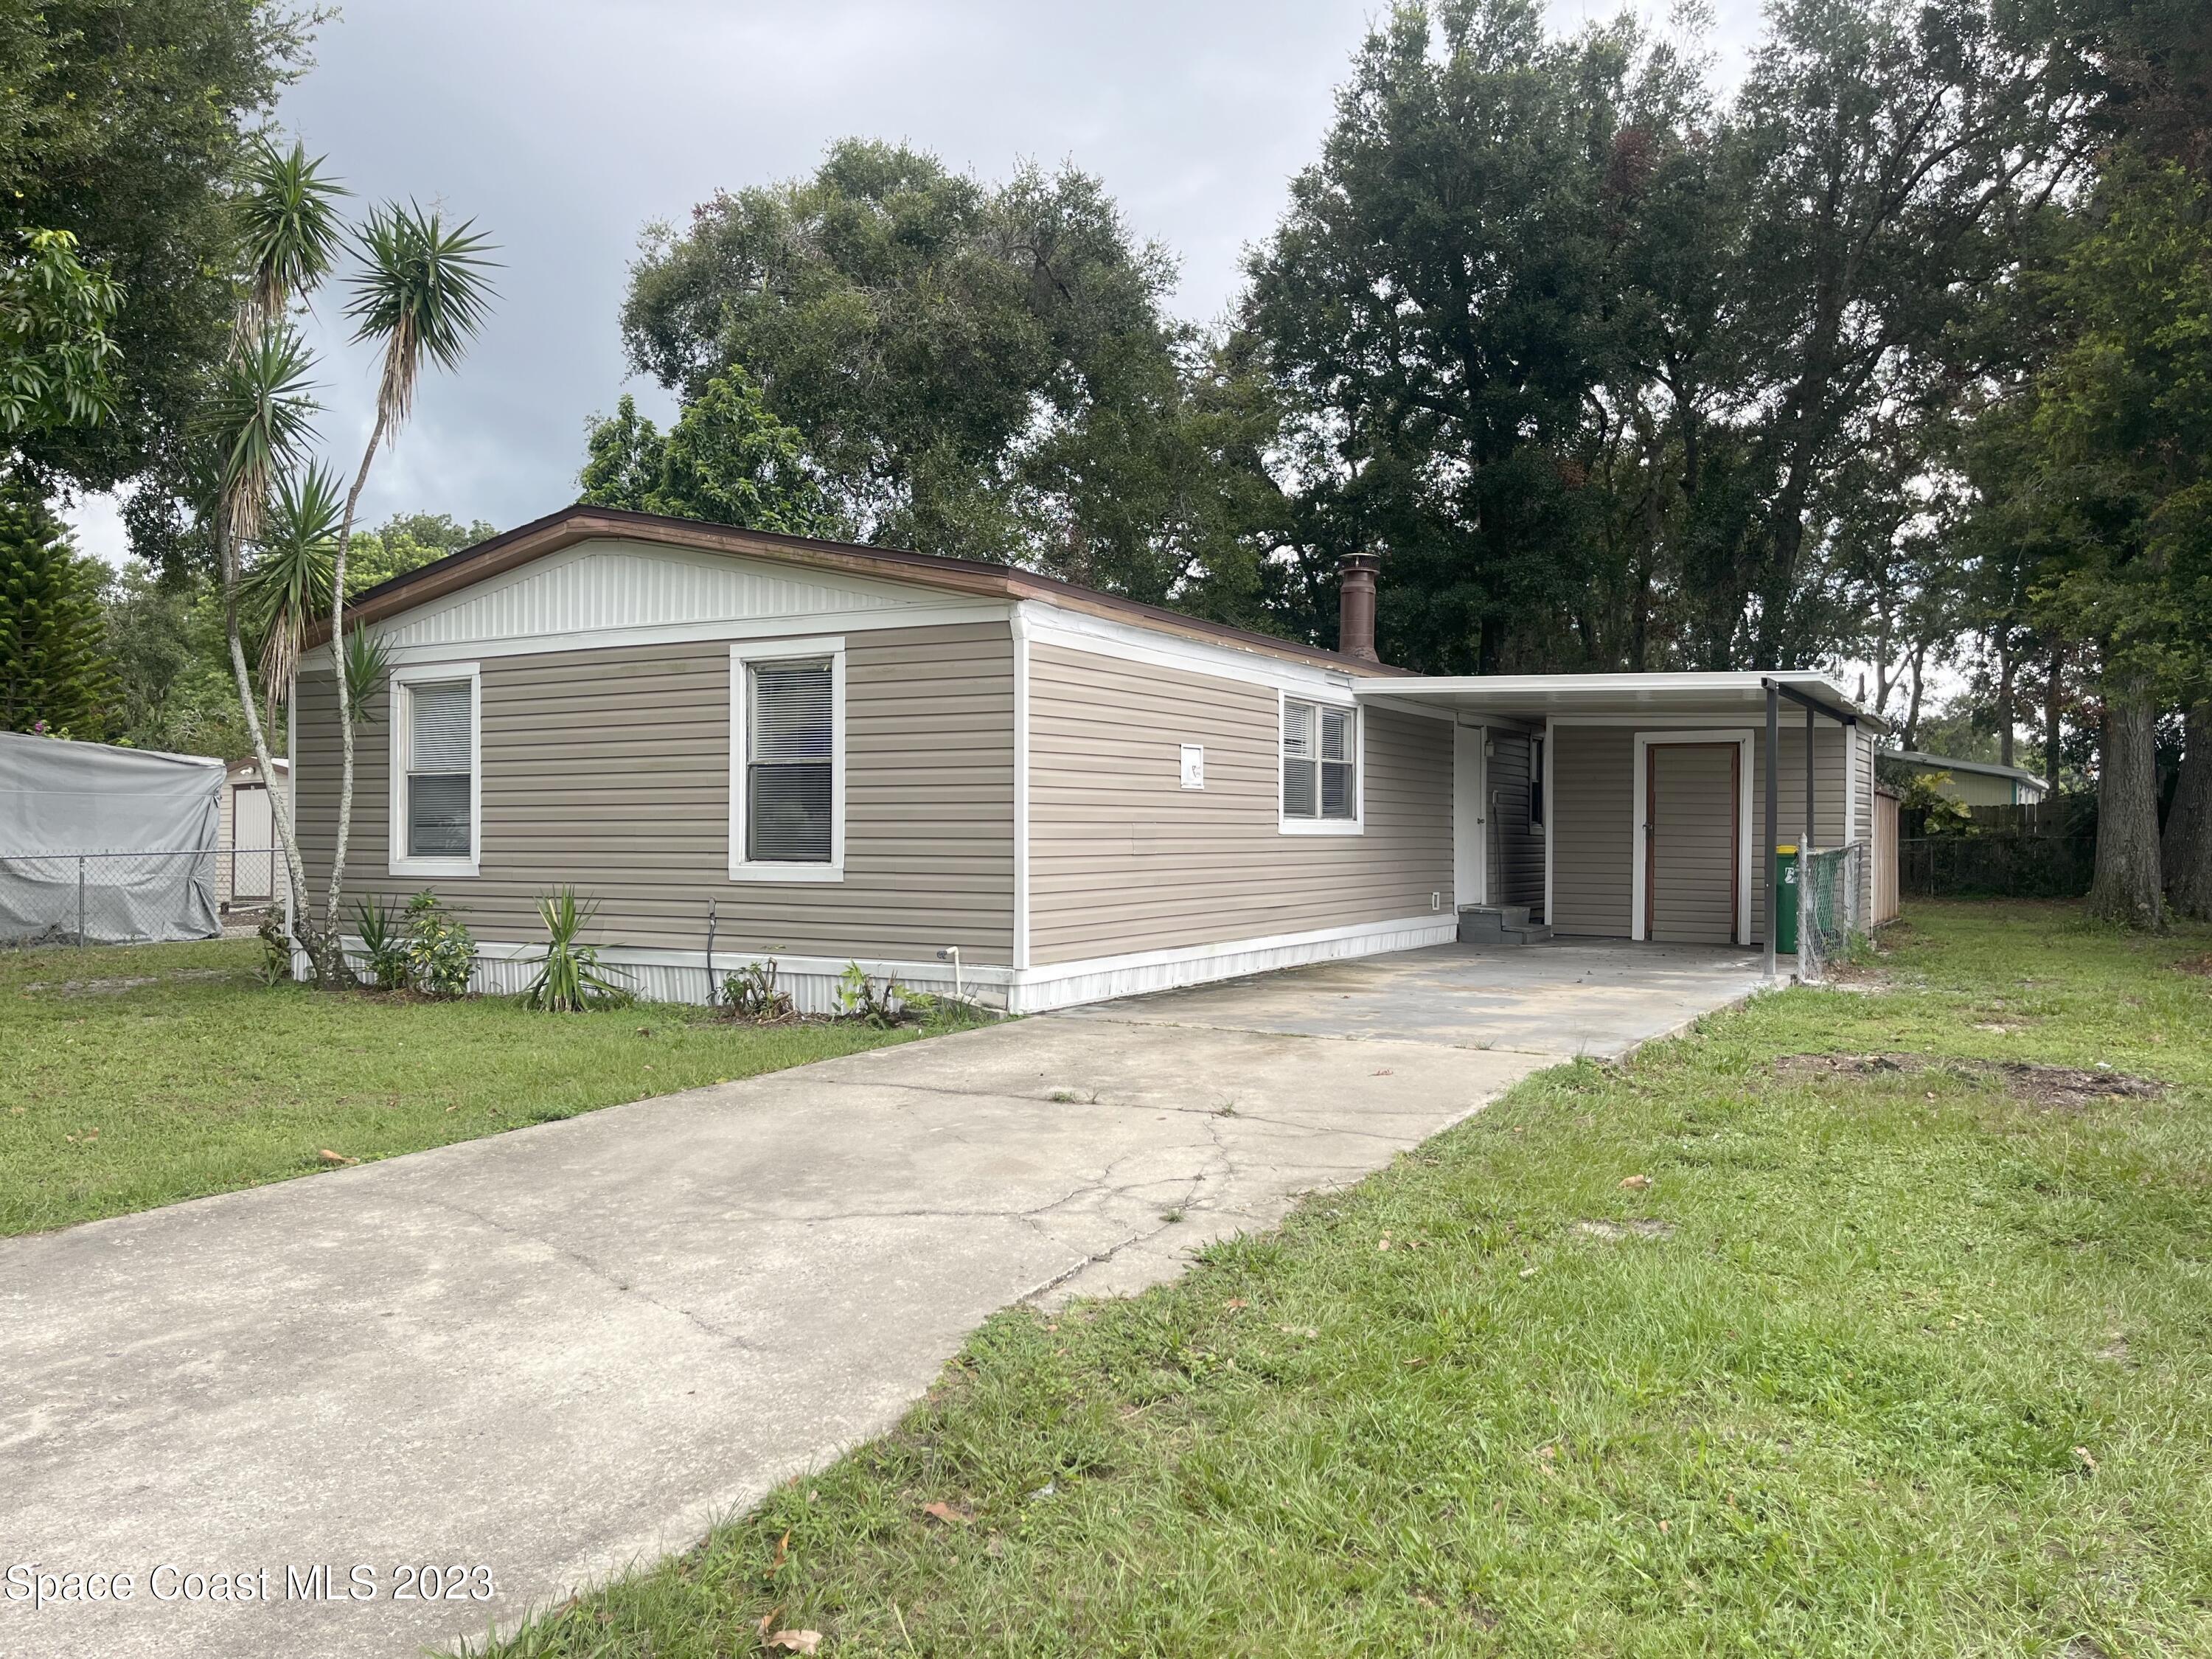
(1301, 791)
(789, 753)
(1318, 763)
(441, 759)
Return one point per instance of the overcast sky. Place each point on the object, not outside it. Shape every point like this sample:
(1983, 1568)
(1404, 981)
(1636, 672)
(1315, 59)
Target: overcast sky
(564, 126)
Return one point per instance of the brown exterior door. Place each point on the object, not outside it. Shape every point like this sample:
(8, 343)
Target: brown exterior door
(1692, 842)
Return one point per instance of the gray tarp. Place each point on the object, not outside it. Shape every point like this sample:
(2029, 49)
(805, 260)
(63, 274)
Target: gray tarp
(118, 843)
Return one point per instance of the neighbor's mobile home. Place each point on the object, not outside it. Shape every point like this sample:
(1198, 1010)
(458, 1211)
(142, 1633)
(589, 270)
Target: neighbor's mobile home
(825, 753)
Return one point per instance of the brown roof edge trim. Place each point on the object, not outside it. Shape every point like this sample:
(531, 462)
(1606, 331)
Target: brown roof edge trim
(571, 525)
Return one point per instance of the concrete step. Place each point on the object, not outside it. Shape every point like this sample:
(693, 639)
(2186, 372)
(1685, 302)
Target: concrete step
(1499, 924)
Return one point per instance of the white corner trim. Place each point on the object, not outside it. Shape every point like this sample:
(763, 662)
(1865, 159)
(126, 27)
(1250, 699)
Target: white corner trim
(1078, 630)
(1332, 697)
(1019, 625)
(1639, 803)
(398, 861)
(784, 650)
(1066, 984)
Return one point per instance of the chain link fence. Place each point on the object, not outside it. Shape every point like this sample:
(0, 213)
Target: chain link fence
(131, 898)
(1831, 905)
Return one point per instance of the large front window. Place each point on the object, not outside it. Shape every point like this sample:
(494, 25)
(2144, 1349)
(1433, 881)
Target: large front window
(788, 786)
(1321, 783)
(434, 762)
(789, 763)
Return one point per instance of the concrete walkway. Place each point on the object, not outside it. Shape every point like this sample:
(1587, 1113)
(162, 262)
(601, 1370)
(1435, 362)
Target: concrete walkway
(555, 1352)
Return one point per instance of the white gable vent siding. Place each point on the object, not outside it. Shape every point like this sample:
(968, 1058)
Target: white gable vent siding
(1124, 859)
(610, 770)
(1596, 806)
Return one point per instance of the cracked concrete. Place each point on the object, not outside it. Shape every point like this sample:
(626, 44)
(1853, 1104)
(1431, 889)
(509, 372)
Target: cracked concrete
(567, 1348)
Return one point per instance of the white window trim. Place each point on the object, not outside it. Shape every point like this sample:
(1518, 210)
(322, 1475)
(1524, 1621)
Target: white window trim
(398, 860)
(1357, 823)
(788, 650)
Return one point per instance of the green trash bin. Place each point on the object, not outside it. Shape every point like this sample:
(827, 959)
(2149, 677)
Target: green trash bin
(1785, 900)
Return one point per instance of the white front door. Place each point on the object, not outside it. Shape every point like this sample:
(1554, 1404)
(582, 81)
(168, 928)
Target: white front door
(1470, 818)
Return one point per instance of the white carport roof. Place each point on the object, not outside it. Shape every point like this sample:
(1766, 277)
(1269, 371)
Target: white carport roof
(1535, 696)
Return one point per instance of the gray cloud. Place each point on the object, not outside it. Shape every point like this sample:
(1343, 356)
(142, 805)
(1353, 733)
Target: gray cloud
(564, 126)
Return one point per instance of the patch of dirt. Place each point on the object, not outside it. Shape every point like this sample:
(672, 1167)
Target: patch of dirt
(1615, 1231)
(109, 987)
(2062, 1088)
(2201, 965)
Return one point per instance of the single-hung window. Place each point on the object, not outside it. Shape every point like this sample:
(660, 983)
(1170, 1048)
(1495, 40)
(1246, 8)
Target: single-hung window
(1318, 765)
(441, 769)
(790, 761)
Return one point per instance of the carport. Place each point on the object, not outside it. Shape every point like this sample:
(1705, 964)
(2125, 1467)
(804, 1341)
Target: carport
(1646, 806)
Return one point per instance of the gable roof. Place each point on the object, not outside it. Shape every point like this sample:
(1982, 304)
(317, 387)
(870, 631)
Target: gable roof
(973, 577)
(1947, 764)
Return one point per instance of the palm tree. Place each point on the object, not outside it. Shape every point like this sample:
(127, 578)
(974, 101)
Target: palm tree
(260, 417)
(259, 414)
(423, 292)
(291, 573)
(288, 231)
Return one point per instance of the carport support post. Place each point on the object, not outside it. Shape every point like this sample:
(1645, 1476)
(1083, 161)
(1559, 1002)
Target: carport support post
(1773, 812)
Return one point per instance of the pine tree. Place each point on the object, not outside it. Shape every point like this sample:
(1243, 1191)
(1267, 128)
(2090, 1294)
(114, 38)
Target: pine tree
(55, 672)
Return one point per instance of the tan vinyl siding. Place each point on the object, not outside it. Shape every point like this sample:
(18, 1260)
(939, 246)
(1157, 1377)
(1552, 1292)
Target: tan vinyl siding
(1592, 804)
(609, 769)
(1595, 806)
(1122, 860)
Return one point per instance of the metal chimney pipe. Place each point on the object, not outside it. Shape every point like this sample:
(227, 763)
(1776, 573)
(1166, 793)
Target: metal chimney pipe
(1355, 601)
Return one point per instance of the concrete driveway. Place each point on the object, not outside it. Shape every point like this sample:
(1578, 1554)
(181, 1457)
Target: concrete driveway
(553, 1353)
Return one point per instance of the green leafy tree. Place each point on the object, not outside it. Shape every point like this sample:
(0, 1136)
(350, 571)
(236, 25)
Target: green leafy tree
(726, 460)
(124, 125)
(982, 370)
(1433, 303)
(55, 672)
(2121, 429)
(167, 638)
(57, 361)
(406, 542)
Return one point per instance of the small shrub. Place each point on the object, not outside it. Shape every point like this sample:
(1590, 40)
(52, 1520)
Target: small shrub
(751, 992)
(570, 979)
(882, 1007)
(276, 952)
(379, 926)
(439, 951)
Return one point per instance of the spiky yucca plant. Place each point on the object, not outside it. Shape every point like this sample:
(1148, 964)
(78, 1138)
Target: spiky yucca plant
(570, 979)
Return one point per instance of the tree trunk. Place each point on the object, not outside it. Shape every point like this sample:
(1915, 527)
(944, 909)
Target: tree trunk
(298, 914)
(1912, 709)
(2127, 887)
(2004, 697)
(2053, 694)
(331, 972)
(2187, 854)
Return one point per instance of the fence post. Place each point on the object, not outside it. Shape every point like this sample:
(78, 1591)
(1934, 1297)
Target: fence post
(80, 901)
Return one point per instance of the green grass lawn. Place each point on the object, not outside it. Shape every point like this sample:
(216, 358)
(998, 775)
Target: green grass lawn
(1879, 1363)
(118, 1097)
